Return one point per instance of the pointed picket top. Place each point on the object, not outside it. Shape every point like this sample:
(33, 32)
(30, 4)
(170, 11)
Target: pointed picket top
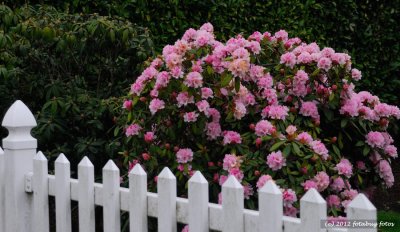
(313, 196)
(166, 174)
(138, 170)
(361, 202)
(232, 183)
(198, 178)
(271, 187)
(62, 159)
(19, 115)
(39, 156)
(110, 166)
(85, 162)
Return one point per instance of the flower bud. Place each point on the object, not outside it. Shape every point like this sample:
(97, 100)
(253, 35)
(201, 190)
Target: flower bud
(252, 127)
(333, 139)
(258, 142)
(257, 173)
(146, 156)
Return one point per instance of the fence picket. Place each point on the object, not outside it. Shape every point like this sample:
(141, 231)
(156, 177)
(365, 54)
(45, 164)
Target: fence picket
(198, 203)
(2, 191)
(270, 207)
(312, 211)
(138, 199)
(63, 194)
(166, 188)
(86, 195)
(360, 208)
(111, 198)
(232, 205)
(40, 193)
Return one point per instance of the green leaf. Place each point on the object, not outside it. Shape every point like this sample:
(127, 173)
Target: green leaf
(237, 84)
(296, 149)
(225, 79)
(344, 122)
(360, 144)
(276, 145)
(366, 150)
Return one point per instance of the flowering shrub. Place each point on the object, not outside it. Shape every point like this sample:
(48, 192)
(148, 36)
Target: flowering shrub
(261, 108)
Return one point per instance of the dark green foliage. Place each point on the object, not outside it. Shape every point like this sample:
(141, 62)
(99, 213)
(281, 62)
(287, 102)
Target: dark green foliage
(66, 68)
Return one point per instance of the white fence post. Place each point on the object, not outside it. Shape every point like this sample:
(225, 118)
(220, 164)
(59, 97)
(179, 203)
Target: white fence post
(361, 209)
(40, 193)
(19, 150)
(63, 194)
(86, 195)
(232, 205)
(138, 199)
(271, 208)
(312, 211)
(2, 191)
(111, 198)
(166, 188)
(198, 203)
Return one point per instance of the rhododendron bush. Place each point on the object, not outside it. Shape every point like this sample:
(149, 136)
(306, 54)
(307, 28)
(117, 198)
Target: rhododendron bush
(263, 108)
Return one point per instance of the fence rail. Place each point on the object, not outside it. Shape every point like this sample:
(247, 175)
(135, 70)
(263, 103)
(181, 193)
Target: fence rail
(25, 186)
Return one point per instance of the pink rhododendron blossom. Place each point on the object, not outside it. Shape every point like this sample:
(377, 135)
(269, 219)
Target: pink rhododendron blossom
(247, 191)
(149, 136)
(184, 99)
(275, 112)
(203, 106)
(206, 93)
(391, 151)
(324, 63)
(264, 127)
(222, 179)
(185, 229)
(263, 180)
(322, 181)
(309, 184)
(290, 211)
(184, 155)
(190, 116)
(194, 79)
(319, 148)
(214, 113)
(356, 74)
(345, 168)
(133, 129)
(349, 194)
(289, 197)
(213, 130)
(231, 137)
(304, 138)
(361, 165)
(290, 130)
(310, 109)
(240, 110)
(237, 173)
(289, 59)
(156, 105)
(276, 161)
(333, 200)
(385, 172)
(230, 161)
(127, 104)
(337, 184)
(375, 139)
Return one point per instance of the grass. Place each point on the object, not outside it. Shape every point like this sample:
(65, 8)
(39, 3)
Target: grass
(391, 217)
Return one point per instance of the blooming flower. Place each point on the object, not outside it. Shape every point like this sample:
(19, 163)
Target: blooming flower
(289, 197)
(156, 105)
(319, 148)
(344, 167)
(322, 181)
(149, 136)
(276, 161)
(184, 155)
(375, 139)
(264, 127)
(263, 180)
(231, 137)
(190, 116)
(133, 129)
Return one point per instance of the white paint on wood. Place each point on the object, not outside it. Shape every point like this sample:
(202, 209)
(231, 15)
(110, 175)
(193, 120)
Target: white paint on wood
(63, 194)
(166, 188)
(40, 193)
(360, 208)
(111, 198)
(86, 195)
(138, 199)
(232, 205)
(270, 207)
(312, 211)
(198, 203)
(19, 150)
(2, 191)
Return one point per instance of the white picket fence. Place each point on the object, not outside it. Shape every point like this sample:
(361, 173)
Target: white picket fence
(25, 186)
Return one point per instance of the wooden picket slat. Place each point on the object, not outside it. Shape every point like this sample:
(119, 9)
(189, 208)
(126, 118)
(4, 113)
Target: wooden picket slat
(198, 203)
(138, 199)
(166, 188)
(63, 194)
(360, 208)
(41, 193)
(2, 191)
(86, 195)
(232, 205)
(312, 211)
(111, 198)
(270, 207)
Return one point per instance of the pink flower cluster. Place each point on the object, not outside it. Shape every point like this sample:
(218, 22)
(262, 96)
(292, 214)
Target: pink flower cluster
(276, 161)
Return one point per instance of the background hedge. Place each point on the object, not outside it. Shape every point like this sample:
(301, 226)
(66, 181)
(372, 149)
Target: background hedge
(79, 52)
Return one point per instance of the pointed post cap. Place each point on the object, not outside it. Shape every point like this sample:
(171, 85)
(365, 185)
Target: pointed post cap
(110, 166)
(313, 196)
(361, 202)
(85, 162)
(62, 159)
(40, 157)
(198, 178)
(138, 171)
(232, 183)
(18, 115)
(271, 188)
(166, 174)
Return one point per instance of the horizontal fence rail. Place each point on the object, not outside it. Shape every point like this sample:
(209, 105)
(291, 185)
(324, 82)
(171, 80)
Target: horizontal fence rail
(24, 192)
